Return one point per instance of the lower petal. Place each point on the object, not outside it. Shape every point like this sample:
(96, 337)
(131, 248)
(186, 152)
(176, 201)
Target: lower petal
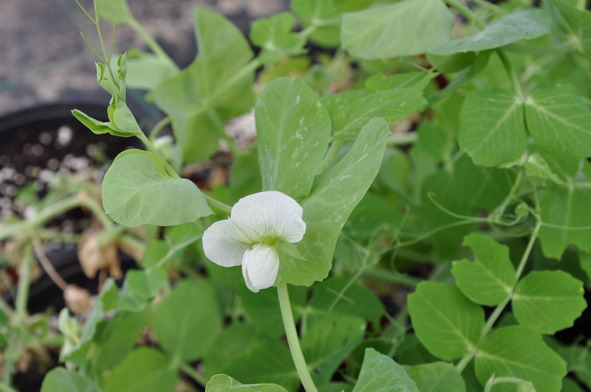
(219, 246)
(260, 267)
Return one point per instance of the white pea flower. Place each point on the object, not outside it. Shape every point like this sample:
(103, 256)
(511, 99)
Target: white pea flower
(257, 225)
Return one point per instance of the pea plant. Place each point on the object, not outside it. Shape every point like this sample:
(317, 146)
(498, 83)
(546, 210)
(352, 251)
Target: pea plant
(415, 214)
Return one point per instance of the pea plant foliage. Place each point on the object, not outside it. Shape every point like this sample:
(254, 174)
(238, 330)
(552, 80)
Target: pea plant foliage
(415, 214)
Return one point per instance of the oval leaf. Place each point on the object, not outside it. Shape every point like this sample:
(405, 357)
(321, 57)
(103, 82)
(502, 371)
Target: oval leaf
(137, 190)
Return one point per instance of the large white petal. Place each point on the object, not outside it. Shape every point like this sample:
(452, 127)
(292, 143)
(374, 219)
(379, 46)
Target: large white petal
(270, 214)
(220, 245)
(260, 267)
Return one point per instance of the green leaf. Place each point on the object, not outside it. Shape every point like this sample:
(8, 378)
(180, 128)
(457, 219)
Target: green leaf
(340, 188)
(353, 5)
(566, 220)
(270, 361)
(213, 89)
(339, 296)
(489, 279)
(223, 383)
(115, 339)
(537, 166)
(293, 131)
(274, 34)
(328, 341)
(147, 71)
(445, 321)
(578, 361)
(559, 121)
(188, 320)
(383, 32)
(100, 127)
(323, 17)
(437, 377)
(415, 80)
(62, 380)
(379, 373)
(146, 283)
(521, 24)
(145, 370)
(115, 11)
(138, 190)
(519, 352)
(492, 129)
(579, 21)
(351, 110)
(548, 301)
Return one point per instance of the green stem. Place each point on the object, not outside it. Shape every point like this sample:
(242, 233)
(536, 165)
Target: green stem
(293, 340)
(194, 374)
(42, 217)
(159, 127)
(466, 12)
(153, 150)
(330, 155)
(512, 74)
(392, 277)
(20, 314)
(218, 205)
(152, 44)
(499, 309)
(97, 210)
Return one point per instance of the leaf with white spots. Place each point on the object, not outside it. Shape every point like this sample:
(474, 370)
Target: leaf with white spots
(351, 110)
(293, 132)
(328, 207)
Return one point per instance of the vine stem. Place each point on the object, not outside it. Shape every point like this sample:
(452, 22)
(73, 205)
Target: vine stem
(293, 340)
(152, 44)
(194, 374)
(499, 309)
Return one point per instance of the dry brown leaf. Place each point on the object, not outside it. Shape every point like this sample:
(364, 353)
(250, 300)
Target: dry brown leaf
(94, 257)
(78, 300)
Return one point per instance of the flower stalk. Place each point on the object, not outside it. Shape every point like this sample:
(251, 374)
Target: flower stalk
(293, 340)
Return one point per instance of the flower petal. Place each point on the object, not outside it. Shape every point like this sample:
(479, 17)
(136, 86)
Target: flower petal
(220, 246)
(268, 215)
(260, 267)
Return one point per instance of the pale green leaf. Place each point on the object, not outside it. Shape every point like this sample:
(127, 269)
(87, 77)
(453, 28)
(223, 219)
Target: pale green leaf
(351, 110)
(100, 127)
(223, 383)
(492, 129)
(489, 279)
(445, 321)
(62, 380)
(519, 352)
(323, 17)
(566, 220)
(548, 301)
(334, 197)
(213, 89)
(115, 11)
(293, 130)
(384, 31)
(559, 121)
(414, 80)
(138, 190)
(522, 24)
(379, 373)
(274, 35)
(579, 20)
(188, 320)
(145, 370)
(148, 71)
(437, 377)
